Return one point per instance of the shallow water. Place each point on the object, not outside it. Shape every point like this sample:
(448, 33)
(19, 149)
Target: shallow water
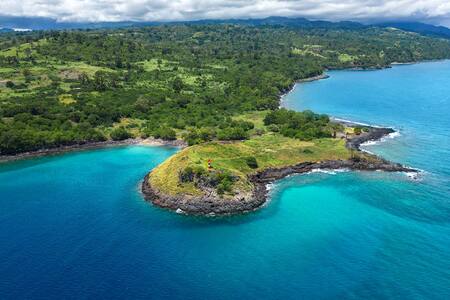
(75, 225)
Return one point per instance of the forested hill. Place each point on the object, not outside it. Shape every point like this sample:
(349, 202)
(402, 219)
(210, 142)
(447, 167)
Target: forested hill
(422, 28)
(7, 23)
(186, 81)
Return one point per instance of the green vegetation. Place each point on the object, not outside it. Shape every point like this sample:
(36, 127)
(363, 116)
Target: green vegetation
(301, 125)
(237, 160)
(119, 134)
(201, 83)
(357, 130)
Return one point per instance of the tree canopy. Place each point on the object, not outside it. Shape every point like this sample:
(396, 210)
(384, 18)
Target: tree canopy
(72, 87)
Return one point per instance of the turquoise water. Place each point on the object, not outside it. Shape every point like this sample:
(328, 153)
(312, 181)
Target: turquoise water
(75, 226)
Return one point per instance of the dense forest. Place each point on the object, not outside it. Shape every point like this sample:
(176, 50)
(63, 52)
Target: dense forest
(177, 81)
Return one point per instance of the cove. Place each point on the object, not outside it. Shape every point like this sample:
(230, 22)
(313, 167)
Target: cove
(75, 225)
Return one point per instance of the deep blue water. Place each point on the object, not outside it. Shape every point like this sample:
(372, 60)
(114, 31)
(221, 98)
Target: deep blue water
(75, 225)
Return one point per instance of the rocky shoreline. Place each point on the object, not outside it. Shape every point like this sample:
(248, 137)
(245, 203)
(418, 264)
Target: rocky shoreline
(213, 205)
(91, 146)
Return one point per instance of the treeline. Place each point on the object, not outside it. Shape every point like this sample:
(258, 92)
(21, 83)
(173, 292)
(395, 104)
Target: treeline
(304, 125)
(69, 87)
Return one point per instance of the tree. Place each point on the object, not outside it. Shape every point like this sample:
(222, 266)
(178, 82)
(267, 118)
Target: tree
(177, 85)
(10, 84)
(27, 74)
(251, 162)
(165, 133)
(119, 134)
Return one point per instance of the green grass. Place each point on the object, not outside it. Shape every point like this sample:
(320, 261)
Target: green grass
(22, 49)
(66, 99)
(270, 150)
(306, 51)
(344, 57)
(132, 125)
(152, 65)
(41, 74)
(256, 117)
(72, 70)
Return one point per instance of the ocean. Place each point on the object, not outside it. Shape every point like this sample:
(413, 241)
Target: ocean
(75, 226)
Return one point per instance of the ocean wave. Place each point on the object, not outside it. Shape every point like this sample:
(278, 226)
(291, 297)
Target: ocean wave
(269, 186)
(416, 176)
(354, 122)
(328, 171)
(390, 136)
(412, 175)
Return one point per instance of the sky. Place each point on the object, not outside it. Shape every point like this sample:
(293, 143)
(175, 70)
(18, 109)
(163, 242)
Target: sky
(430, 11)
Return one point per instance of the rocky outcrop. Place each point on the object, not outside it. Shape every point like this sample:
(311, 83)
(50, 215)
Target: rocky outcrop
(261, 179)
(373, 134)
(210, 203)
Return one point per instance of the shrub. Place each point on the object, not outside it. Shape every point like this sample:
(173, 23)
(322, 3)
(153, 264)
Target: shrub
(187, 175)
(225, 185)
(10, 84)
(119, 134)
(251, 162)
(165, 133)
(190, 173)
(232, 133)
(273, 128)
(259, 131)
(177, 84)
(194, 137)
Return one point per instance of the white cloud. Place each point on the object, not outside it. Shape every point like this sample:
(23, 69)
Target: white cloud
(157, 10)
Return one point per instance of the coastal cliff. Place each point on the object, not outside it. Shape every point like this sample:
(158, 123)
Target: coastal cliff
(211, 203)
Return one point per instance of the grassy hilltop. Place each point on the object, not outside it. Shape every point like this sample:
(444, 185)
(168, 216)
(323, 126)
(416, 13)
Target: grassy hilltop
(270, 150)
(187, 172)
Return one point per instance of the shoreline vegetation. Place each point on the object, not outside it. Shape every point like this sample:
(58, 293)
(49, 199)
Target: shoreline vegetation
(141, 141)
(132, 141)
(61, 88)
(92, 146)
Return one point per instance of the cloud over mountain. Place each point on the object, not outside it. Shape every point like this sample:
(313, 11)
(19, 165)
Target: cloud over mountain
(435, 11)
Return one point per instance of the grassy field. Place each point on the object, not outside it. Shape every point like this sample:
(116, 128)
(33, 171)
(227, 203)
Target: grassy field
(270, 150)
(40, 72)
(344, 57)
(256, 117)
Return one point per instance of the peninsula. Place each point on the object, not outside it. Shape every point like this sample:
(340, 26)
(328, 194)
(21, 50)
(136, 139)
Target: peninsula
(223, 178)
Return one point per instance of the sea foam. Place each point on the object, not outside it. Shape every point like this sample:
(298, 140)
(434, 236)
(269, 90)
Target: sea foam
(390, 136)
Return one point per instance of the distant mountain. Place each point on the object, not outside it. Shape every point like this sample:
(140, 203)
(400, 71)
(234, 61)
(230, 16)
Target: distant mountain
(8, 23)
(422, 28)
(38, 23)
(285, 21)
(48, 24)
